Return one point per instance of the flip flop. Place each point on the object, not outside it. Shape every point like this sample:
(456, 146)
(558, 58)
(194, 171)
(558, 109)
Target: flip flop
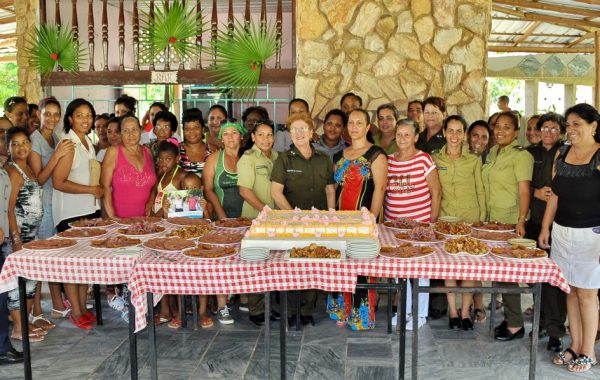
(33, 337)
(174, 324)
(158, 320)
(582, 361)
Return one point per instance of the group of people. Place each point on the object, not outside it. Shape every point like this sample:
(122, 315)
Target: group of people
(425, 166)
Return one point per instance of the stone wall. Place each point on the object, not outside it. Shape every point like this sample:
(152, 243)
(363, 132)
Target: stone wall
(393, 51)
(29, 79)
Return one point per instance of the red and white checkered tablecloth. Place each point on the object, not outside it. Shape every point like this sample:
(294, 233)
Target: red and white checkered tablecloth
(173, 273)
(79, 264)
(440, 265)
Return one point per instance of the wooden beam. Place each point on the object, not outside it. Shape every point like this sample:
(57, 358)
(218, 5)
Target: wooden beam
(581, 39)
(6, 3)
(527, 32)
(8, 58)
(528, 43)
(591, 2)
(8, 43)
(597, 62)
(550, 7)
(538, 35)
(538, 49)
(117, 78)
(532, 16)
(8, 20)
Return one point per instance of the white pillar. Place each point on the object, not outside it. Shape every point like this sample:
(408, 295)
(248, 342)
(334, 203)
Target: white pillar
(531, 106)
(570, 95)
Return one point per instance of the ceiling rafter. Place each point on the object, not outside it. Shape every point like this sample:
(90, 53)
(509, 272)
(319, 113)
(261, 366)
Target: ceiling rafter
(581, 39)
(538, 49)
(527, 32)
(532, 16)
(6, 3)
(550, 7)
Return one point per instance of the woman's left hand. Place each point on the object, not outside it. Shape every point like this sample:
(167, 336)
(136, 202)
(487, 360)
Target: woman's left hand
(520, 230)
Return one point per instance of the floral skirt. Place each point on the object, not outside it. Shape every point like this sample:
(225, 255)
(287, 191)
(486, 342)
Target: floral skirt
(356, 310)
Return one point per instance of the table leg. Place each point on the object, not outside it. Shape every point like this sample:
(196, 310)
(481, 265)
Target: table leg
(195, 312)
(389, 308)
(415, 322)
(401, 320)
(183, 311)
(537, 300)
(494, 297)
(268, 333)
(282, 332)
(152, 339)
(133, 359)
(25, 328)
(298, 301)
(98, 304)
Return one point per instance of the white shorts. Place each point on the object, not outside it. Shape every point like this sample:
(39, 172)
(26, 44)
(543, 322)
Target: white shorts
(577, 253)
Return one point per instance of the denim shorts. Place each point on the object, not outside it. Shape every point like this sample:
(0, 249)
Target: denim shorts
(13, 295)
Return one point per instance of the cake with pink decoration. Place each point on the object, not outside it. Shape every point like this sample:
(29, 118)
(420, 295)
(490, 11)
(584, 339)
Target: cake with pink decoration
(313, 223)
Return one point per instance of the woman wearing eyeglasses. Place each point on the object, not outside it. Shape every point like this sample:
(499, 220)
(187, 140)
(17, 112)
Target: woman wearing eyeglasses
(302, 177)
(165, 125)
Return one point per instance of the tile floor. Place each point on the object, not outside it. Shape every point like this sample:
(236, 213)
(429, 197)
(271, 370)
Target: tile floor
(324, 351)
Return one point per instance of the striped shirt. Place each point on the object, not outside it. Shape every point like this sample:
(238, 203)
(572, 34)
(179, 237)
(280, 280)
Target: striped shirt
(407, 193)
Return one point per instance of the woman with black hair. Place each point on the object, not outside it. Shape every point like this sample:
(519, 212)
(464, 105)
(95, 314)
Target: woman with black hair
(17, 111)
(125, 104)
(192, 151)
(573, 211)
(77, 191)
(165, 125)
(216, 114)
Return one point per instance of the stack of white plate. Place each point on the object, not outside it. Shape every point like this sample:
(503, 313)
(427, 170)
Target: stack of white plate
(362, 249)
(254, 253)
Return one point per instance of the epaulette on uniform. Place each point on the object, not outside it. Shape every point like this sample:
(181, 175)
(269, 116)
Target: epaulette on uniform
(519, 147)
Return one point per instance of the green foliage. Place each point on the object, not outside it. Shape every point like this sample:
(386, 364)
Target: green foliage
(241, 55)
(52, 46)
(9, 84)
(172, 27)
(501, 86)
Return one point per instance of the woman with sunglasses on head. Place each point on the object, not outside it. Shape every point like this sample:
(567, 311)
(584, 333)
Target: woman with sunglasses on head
(573, 212)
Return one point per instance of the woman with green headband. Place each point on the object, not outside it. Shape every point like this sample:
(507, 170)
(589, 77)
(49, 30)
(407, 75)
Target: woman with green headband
(220, 188)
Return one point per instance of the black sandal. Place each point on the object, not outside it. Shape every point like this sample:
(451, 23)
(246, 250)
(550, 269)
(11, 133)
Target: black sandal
(563, 359)
(582, 360)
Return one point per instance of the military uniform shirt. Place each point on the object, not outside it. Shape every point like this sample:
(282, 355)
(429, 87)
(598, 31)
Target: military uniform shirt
(254, 172)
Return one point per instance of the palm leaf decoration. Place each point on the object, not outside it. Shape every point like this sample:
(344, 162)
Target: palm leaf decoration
(53, 46)
(172, 28)
(241, 55)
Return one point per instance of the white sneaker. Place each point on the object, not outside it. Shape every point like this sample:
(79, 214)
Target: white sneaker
(117, 303)
(224, 317)
(421, 323)
(395, 319)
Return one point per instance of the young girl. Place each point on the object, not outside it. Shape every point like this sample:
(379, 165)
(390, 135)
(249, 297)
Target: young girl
(173, 179)
(24, 218)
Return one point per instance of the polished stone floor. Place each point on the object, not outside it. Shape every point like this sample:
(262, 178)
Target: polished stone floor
(324, 351)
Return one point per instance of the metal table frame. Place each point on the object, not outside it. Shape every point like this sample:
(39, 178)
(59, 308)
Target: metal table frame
(495, 289)
(98, 306)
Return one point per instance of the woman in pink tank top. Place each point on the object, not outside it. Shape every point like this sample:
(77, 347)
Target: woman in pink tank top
(128, 175)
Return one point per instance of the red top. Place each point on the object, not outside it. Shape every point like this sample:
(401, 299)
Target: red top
(131, 188)
(407, 193)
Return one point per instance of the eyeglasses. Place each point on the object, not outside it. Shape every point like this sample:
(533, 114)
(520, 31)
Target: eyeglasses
(551, 130)
(297, 130)
(162, 127)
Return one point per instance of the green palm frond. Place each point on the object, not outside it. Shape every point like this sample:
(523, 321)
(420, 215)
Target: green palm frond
(241, 55)
(53, 46)
(173, 27)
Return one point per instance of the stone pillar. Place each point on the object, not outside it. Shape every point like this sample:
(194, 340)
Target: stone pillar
(570, 95)
(393, 51)
(30, 85)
